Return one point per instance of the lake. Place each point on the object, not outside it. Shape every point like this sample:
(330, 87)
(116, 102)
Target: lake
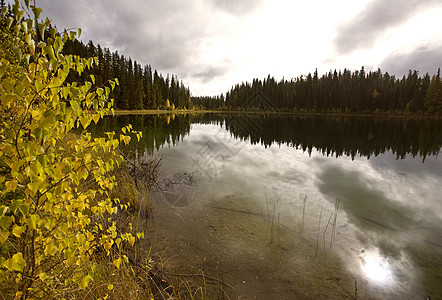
(297, 207)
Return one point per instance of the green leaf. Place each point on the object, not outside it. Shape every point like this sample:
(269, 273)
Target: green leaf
(34, 187)
(4, 222)
(9, 21)
(3, 210)
(32, 221)
(42, 27)
(43, 276)
(65, 92)
(24, 26)
(19, 16)
(39, 86)
(84, 122)
(72, 35)
(37, 11)
(85, 281)
(24, 209)
(49, 51)
(75, 106)
(16, 263)
(3, 236)
(17, 52)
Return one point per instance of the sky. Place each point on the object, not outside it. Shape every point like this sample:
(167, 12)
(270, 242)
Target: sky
(212, 45)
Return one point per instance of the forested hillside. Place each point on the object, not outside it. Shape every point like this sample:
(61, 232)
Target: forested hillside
(140, 87)
(339, 92)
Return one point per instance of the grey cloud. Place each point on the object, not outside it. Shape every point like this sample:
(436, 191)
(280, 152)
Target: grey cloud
(377, 17)
(425, 59)
(237, 7)
(366, 207)
(165, 34)
(210, 74)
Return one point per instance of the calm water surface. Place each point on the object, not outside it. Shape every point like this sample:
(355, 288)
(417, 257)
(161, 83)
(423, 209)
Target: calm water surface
(300, 208)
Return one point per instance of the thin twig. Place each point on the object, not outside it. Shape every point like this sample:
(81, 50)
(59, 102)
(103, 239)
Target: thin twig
(319, 228)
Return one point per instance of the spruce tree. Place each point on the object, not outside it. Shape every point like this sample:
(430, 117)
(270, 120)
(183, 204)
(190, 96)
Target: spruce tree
(433, 97)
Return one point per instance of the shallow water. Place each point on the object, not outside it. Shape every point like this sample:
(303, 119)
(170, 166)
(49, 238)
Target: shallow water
(284, 220)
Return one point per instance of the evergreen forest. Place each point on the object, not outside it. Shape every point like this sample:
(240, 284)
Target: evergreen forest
(140, 87)
(336, 92)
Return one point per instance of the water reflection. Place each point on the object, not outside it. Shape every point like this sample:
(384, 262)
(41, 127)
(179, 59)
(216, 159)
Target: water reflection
(331, 136)
(367, 206)
(377, 268)
(395, 213)
(388, 232)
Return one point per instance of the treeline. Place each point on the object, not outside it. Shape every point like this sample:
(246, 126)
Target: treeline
(139, 87)
(208, 102)
(339, 92)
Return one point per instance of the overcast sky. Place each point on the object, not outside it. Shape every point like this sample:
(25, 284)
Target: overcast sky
(214, 44)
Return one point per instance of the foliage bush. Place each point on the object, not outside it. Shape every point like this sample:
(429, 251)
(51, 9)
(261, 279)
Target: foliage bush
(51, 216)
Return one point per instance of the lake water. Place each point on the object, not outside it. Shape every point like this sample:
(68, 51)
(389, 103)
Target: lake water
(290, 207)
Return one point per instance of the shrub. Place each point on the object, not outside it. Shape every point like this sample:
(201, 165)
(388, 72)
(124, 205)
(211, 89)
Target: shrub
(50, 219)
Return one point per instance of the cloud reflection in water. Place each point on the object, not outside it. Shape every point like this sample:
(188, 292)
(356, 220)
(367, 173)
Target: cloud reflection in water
(377, 268)
(386, 204)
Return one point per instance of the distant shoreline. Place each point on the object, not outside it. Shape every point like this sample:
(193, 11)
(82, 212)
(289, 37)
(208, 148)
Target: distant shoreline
(325, 114)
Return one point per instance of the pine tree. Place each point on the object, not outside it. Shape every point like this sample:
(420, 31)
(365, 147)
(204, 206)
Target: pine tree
(147, 87)
(433, 97)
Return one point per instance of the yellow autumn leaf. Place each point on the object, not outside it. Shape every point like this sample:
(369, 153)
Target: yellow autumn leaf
(96, 118)
(107, 246)
(125, 139)
(117, 262)
(18, 295)
(11, 185)
(32, 221)
(18, 230)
